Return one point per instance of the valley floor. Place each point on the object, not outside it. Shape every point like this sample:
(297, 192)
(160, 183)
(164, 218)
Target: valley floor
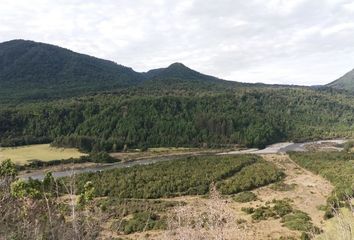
(309, 192)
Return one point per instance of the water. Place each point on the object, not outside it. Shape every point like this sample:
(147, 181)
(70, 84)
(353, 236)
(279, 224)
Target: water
(272, 149)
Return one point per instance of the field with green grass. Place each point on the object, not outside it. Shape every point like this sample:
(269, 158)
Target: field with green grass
(43, 152)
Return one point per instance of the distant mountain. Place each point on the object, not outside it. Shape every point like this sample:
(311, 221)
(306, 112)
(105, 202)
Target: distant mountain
(31, 70)
(178, 75)
(178, 71)
(34, 70)
(345, 82)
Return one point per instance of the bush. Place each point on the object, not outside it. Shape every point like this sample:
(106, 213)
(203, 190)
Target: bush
(248, 210)
(263, 213)
(244, 197)
(282, 207)
(298, 220)
(142, 221)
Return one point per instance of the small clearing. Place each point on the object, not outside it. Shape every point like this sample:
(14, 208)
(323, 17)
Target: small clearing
(43, 152)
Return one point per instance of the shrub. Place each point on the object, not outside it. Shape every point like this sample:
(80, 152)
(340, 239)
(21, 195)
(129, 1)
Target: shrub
(248, 210)
(244, 197)
(263, 213)
(298, 220)
(142, 221)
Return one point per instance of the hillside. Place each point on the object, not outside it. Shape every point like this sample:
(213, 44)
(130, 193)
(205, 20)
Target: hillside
(172, 106)
(32, 70)
(37, 71)
(248, 117)
(345, 82)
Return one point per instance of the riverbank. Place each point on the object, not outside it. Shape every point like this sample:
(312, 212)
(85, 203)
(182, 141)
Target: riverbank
(278, 148)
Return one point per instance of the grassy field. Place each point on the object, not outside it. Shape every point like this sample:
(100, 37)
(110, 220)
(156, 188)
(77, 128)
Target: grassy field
(21, 155)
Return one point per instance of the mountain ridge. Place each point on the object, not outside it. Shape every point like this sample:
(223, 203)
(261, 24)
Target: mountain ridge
(34, 70)
(346, 82)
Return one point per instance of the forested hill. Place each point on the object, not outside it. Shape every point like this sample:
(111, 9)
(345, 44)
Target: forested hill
(75, 100)
(252, 117)
(37, 71)
(345, 82)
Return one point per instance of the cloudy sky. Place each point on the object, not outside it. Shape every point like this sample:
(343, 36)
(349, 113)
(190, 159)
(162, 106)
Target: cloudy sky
(273, 41)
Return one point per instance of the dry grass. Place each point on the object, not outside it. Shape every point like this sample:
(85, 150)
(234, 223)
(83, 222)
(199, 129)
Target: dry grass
(43, 152)
(341, 227)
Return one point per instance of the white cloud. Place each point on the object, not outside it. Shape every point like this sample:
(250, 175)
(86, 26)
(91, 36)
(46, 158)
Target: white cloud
(273, 41)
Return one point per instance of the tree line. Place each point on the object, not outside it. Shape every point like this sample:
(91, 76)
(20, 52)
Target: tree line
(110, 122)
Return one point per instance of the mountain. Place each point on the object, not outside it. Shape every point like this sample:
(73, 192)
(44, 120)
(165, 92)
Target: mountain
(179, 71)
(34, 70)
(345, 82)
(179, 77)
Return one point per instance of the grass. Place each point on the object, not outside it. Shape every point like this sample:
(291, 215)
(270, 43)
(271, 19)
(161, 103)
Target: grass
(43, 152)
(339, 227)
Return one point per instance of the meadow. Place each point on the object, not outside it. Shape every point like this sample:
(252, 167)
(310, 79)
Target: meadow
(43, 152)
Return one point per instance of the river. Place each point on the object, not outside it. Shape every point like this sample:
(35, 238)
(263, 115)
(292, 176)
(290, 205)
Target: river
(271, 149)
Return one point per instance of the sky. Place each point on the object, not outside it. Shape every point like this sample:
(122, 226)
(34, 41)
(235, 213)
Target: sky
(303, 42)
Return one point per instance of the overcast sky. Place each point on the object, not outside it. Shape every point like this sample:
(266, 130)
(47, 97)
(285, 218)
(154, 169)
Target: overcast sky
(272, 41)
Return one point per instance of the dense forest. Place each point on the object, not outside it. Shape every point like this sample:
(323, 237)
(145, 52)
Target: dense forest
(190, 176)
(53, 95)
(250, 117)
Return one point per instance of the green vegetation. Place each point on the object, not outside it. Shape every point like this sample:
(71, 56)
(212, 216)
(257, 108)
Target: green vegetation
(345, 82)
(188, 176)
(139, 222)
(33, 210)
(101, 157)
(290, 217)
(337, 167)
(258, 174)
(112, 107)
(34, 71)
(348, 146)
(244, 197)
(298, 221)
(274, 209)
(137, 119)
